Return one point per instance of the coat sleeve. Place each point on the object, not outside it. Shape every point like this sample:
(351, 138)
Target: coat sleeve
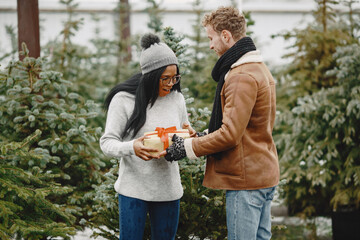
(111, 143)
(239, 92)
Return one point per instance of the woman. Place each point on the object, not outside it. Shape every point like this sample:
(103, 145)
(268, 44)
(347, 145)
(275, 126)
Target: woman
(142, 103)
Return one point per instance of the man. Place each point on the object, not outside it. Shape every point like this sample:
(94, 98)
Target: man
(241, 154)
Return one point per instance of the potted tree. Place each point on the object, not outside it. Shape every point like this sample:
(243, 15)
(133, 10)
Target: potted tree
(321, 155)
(317, 126)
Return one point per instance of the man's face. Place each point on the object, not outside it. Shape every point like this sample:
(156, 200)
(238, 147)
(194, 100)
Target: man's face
(216, 41)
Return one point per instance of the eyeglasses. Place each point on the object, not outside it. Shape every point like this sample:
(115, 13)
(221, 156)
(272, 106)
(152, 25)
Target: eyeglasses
(174, 80)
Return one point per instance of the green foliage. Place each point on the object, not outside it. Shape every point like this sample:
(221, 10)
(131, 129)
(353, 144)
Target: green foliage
(203, 214)
(199, 81)
(10, 31)
(154, 12)
(352, 22)
(26, 207)
(173, 41)
(321, 156)
(198, 117)
(92, 70)
(312, 54)
(105, 213)
(66, 152)
(311, 134)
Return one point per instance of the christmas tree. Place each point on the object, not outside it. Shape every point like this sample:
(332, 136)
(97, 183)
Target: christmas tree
(315, 134)
(59, 164)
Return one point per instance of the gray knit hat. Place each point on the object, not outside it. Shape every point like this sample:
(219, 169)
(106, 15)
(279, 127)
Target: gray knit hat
(155, 54)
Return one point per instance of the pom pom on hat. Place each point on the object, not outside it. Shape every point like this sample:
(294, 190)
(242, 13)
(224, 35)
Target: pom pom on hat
(155, 54)
(149, 39)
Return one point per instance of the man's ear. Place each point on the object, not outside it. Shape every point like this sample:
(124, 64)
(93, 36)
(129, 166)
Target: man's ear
(226, 36)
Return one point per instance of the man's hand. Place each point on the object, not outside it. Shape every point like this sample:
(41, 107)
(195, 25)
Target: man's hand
(176, 151)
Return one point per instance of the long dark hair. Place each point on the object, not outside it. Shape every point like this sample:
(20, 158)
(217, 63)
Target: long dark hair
(129, 86)
(146, 91)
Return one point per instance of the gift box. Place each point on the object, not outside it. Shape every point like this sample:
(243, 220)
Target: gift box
(160, 139)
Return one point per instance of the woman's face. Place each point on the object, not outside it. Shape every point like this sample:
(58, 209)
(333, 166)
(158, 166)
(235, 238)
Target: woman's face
(170, 72)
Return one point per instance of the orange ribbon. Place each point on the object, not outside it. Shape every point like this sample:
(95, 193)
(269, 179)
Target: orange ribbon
(163, 134)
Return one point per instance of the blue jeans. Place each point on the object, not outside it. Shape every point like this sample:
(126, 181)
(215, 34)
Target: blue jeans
(164, 218)
(248, 214)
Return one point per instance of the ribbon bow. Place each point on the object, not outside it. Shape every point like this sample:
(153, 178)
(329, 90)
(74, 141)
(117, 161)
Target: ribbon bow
(163, 134)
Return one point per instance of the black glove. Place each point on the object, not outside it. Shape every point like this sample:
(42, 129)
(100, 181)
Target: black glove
(201, 134)
(177, 150)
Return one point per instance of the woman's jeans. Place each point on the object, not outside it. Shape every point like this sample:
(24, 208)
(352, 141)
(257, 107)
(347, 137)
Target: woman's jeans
(248, 214)
(164, 218)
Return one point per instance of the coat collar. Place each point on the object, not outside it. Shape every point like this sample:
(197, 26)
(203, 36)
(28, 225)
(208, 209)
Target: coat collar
(250, 57)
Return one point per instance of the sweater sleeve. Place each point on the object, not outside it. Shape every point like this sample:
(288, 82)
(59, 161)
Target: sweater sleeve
(111, 143)
(184, 114)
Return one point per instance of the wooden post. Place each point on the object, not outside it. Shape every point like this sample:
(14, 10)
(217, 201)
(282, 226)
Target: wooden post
(28, 26)
(125, 28)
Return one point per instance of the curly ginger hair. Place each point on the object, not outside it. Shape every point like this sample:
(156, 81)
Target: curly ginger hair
(226, 18)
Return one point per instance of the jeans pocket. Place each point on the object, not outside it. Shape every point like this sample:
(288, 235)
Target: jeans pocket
(260, 196)
(270, 192)
(256, 198)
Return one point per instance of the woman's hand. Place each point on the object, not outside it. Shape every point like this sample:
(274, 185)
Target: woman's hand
(143, 152)
(192, 131)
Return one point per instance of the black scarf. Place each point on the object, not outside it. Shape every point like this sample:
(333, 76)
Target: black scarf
(218, 73)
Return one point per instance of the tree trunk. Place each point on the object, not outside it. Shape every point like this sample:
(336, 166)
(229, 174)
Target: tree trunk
(125, 29)
(28, 26)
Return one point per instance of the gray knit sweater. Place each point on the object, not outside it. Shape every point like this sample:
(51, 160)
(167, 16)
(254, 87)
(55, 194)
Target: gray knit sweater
(154, 180)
